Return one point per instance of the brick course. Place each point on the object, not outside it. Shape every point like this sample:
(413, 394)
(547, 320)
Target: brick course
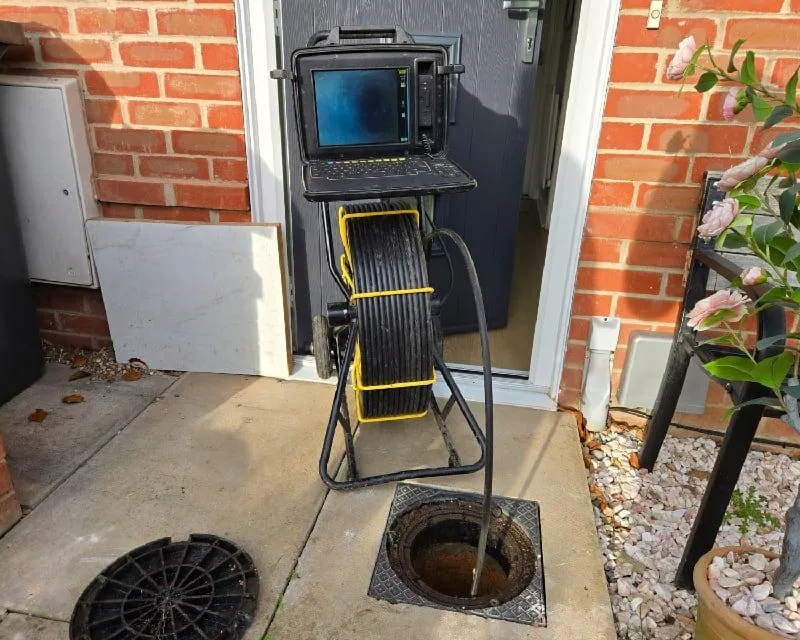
(162, 97)
(656, 142)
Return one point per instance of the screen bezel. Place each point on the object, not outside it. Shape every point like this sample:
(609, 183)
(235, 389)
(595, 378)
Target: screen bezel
(407, 121)
(306, 61)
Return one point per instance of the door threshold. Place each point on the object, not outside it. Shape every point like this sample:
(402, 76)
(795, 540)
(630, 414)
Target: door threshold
(510, 390)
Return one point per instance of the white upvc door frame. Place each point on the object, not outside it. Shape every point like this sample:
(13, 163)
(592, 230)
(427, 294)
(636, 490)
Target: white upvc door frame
(257, 31)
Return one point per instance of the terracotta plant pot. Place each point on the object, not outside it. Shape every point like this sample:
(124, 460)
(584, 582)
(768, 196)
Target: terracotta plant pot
(715, 620)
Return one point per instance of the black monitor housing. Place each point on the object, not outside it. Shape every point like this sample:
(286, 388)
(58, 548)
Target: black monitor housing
(427, 76)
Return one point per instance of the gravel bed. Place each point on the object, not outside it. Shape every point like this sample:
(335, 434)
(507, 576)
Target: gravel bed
(643, 520)
(98, 364)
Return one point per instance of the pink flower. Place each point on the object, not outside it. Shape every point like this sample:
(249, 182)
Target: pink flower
(754, 275)
(718, 218)
(722, 306)
(770, 152)
(729, 106)
(681, 59)
(741, 172)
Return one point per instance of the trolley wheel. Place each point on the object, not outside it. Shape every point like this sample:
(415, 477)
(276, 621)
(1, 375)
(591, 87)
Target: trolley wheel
(321, 346)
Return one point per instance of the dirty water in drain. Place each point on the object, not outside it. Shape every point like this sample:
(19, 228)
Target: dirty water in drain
(433, 547)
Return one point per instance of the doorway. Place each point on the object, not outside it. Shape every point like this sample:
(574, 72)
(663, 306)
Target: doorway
(261, 42)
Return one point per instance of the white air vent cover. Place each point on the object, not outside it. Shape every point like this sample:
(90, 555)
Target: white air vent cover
(645, 364)
(46, 154)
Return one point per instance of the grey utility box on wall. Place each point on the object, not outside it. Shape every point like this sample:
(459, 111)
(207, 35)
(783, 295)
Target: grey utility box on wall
(645, 364)
(49, 167)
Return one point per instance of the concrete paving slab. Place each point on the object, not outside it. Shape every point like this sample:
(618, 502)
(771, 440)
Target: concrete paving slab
(41, 455)
(19, 627)
(537, 457)
(204, 459)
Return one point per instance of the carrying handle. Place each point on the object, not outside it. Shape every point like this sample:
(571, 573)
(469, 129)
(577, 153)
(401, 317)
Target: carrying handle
(335, 35)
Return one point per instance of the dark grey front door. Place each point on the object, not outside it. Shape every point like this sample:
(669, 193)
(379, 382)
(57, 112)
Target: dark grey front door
(488, 137)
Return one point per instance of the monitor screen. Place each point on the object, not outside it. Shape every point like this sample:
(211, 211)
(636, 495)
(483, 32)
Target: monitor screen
(361, 106)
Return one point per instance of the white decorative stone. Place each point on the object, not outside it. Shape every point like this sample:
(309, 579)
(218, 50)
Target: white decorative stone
(761, 591)
(757, 561)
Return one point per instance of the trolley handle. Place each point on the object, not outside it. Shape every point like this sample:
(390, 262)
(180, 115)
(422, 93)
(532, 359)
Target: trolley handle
(335, 35)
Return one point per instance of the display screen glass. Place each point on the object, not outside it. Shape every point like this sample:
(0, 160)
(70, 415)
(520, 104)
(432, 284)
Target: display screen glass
(361, 106)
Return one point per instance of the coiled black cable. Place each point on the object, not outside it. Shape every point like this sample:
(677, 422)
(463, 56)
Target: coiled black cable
(395, 331)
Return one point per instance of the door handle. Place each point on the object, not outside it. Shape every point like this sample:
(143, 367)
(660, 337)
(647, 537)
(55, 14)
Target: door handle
(527, 10)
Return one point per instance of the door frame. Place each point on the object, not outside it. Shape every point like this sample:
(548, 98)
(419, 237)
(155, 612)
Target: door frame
(257, 28)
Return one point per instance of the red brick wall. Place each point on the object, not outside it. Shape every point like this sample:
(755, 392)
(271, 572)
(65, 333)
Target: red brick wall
(163, 105)
(655, 144)
(10, 510)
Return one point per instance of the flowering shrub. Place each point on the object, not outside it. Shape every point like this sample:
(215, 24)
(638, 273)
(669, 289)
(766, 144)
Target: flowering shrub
(766, 183)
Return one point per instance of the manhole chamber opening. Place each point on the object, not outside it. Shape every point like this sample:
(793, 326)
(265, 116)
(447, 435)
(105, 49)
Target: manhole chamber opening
(433, 547)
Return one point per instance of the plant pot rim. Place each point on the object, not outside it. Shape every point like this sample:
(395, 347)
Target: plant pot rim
(721, 610)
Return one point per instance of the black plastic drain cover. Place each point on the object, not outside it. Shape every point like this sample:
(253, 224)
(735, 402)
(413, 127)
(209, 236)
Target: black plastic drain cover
(205, 588)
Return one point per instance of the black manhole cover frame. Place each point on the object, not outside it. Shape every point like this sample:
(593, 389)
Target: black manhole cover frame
(216, 582)
(529, 607)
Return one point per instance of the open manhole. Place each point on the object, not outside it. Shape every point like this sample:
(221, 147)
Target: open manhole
(428, 554)
(205, 587)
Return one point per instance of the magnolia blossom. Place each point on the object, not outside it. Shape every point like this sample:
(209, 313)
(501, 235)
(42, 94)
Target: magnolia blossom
(718, 218)
(754, 275)
(724, 306)
(681, 59)
(740, 172)
(770, 153)
(729, 106)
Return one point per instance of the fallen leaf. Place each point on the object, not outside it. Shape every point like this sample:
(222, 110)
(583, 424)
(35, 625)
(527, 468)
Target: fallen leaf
(597, 492)
(131, 375)
(78, 360)
(593, 445)
(77, 375)
(633, 460)
(699, 474)
(38, 416)
(73, 398)
(587, 462)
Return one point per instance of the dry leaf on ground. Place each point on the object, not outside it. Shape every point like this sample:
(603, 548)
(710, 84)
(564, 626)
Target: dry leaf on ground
(73, 398)
(77, 375)
(37, 416)
(78, 360)
(597, 492)
(131, 375)
(633, 460)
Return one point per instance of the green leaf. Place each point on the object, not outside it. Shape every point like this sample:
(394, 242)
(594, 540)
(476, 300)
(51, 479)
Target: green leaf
(771, 372)
(767, 402)
(791, 152)
(779, 113)
(792, 254)
(747, 74)
(791, 391)
(736, 368)
(706, 81)
(791, 89)
(736, 46)
(791, 136)
(776, 294)
(717, 340)
(731, 241)
(761, 108)
(747, 201)
(786, 204)
(764, 234)
(768, 342)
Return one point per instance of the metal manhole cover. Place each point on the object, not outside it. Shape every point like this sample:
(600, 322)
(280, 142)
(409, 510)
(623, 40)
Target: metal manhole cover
(202, 588)
(525, 603)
